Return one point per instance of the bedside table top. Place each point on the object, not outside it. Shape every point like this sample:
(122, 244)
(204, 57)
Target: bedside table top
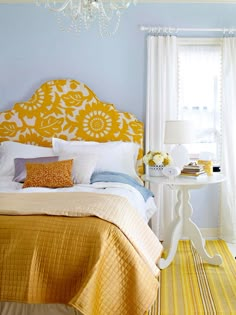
(184, 181)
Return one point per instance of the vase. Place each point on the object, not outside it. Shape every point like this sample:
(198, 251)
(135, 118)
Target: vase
(156, 170)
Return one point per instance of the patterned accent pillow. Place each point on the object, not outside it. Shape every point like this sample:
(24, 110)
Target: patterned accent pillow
(53, 175)
(20, 170)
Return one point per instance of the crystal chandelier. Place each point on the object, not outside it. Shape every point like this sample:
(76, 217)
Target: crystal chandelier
(75, 15)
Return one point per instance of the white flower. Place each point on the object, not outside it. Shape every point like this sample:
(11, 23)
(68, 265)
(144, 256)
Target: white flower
(158, 159)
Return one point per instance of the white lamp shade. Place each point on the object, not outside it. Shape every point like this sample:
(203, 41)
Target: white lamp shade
(179, 132)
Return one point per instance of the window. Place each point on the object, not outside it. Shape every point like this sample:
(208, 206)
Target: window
(199, 93)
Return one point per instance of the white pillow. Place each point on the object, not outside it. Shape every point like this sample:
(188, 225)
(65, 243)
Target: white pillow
(11, 150)
(60, 144)
(113, 156)
(83, 166)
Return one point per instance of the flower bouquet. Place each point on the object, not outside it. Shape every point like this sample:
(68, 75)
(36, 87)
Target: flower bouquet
(156, 161)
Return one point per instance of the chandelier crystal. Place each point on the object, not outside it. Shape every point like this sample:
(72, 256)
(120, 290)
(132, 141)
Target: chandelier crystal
(76, 15)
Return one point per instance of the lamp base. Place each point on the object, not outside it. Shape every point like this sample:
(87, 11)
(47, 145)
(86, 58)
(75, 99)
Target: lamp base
(180, 156)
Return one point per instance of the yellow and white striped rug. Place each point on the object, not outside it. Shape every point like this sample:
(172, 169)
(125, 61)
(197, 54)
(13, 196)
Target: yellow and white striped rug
(189, 286)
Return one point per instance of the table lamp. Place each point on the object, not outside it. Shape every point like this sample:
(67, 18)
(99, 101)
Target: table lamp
(179, 132)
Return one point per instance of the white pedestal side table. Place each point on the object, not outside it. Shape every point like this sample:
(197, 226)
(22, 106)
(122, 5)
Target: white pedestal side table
(182, 225)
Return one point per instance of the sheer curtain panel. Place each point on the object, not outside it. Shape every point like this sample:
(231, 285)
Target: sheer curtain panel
(228, 192)
(161, 106)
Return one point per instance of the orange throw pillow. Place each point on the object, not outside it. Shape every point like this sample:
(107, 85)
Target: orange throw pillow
(53, 175)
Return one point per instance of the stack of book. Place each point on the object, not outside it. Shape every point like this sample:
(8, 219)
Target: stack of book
(193, 170)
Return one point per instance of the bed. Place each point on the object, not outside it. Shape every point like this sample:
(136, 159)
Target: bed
(74, 234)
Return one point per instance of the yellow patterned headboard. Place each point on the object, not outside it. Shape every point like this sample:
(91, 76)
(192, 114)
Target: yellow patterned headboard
(69, 110)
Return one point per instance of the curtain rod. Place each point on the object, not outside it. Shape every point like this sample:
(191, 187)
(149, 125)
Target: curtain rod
(173, 30)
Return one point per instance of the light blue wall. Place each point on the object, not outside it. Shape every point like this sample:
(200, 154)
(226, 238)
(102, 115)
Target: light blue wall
(33, 50)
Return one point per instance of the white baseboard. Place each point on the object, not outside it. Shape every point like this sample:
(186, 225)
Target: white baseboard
(207, 234)
(210, 233)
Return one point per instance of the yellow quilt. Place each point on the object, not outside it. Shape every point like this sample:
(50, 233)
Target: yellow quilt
(87, 262)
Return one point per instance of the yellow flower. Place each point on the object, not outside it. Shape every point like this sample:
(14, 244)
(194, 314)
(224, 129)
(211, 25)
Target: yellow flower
(167, 160)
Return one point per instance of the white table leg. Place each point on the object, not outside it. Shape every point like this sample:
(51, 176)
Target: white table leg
(170, 229)
(173, 235)
(184, 225)
(193, 232)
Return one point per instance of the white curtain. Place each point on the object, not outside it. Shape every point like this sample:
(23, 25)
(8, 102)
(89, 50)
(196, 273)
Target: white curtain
(161, 106)
(228, 192)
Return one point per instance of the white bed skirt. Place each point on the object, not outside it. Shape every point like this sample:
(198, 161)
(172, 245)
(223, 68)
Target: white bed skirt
(14, 308)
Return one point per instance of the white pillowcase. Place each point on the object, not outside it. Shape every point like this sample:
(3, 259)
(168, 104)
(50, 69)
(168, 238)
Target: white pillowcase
(83, 166)
(114, 156)
(10, 150)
